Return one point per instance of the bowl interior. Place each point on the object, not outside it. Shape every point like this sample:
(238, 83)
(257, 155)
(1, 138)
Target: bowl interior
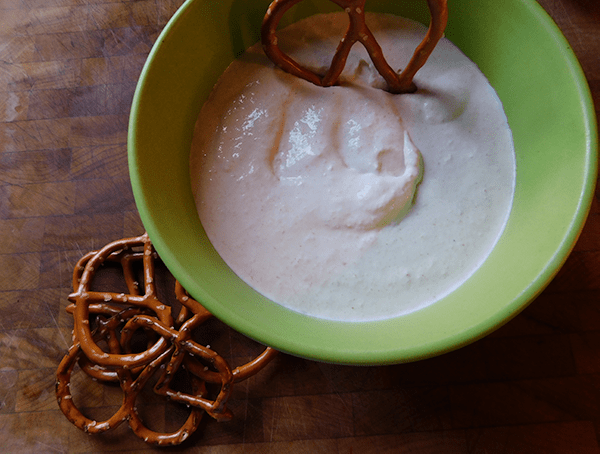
(550, 111)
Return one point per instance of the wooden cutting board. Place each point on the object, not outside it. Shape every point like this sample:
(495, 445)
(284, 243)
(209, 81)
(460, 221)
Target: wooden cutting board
(68, 70)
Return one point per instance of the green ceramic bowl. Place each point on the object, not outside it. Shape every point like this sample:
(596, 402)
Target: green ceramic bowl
(549, 109)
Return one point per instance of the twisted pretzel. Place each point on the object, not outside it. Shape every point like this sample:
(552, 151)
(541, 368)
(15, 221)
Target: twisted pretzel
(358, 31)
(105, 324)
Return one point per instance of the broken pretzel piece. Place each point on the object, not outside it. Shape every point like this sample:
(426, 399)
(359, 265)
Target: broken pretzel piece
(358, 31)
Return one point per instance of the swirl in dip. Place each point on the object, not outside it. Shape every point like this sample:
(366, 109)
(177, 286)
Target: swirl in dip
(348, 202)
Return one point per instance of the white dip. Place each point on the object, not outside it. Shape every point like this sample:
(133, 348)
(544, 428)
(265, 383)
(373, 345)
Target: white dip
(307, 192)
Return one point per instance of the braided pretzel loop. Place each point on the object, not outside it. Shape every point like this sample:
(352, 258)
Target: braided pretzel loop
(357, 31)
(104, 347)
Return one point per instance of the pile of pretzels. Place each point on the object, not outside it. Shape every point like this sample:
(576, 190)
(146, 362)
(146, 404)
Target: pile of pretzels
(105, 324)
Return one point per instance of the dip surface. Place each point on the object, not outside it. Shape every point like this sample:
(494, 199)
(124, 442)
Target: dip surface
(308, 193)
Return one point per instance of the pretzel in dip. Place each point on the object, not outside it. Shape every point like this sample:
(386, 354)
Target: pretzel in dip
(358, 31)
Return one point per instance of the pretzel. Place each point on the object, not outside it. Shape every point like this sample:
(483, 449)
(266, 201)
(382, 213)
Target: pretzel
(358, 31)
(105, 323)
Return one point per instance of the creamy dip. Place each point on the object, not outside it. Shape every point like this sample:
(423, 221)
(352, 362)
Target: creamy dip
(348, 202)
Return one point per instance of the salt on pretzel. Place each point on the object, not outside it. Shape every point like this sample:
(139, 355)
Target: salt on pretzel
(358, 31)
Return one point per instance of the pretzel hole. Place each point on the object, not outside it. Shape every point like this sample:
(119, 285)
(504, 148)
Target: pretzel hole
(295, 44)
(101, 343)
(141, 340)
(176, 414)
(109, 278)
(86, 393)
(135, 341)
(96, 400)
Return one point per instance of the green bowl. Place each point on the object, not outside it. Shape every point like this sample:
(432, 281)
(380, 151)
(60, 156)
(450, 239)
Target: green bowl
(549, 108)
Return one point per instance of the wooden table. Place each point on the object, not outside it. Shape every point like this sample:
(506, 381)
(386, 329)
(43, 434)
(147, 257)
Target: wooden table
(68, 69)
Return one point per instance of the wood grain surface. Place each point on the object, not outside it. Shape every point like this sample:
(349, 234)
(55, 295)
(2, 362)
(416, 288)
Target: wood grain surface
(68, 70)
